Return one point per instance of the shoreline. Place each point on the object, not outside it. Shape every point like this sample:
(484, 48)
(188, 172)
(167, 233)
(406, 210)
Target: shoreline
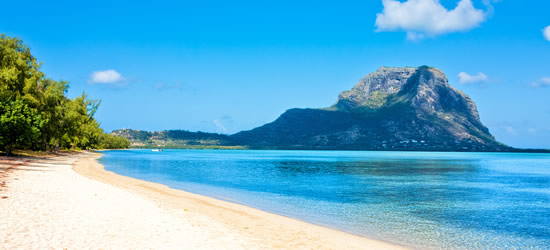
(269, 229)
(70, 201)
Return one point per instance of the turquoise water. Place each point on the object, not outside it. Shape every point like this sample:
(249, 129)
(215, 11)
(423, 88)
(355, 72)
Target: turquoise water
(417, 199)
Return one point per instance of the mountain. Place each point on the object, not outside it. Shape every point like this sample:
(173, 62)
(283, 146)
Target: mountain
(176, 139)
(390, 109)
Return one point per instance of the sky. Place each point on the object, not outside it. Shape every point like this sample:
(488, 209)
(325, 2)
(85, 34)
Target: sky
(227, 66)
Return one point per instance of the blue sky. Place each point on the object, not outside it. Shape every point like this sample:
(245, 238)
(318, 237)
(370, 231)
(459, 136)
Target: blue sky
(226, 66)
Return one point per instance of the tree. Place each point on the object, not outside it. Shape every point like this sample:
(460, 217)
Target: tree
(52, 110)
(111, 141)
(34, 110)
(20, 122)
(19, 125)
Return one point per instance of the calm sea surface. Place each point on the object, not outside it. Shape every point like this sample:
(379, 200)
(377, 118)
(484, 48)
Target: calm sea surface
(418, 199)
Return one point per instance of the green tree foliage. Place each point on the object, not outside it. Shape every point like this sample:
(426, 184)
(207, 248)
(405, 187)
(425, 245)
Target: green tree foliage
(36, 114)
(20, 125)
(112, 141)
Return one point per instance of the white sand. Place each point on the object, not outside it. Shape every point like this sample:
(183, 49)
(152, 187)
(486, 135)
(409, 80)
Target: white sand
(49, 205)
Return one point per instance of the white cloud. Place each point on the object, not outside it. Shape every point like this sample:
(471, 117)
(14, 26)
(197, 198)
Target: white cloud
(546, 32)
(542, 83)
(466, 78)
(106, 76)
(489, 5)
(163, 86)
(420, 18)
(220, 126)
(511, 131)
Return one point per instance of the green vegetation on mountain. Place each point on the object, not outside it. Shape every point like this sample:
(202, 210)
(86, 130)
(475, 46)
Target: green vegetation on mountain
(176, 139)
(34, 111)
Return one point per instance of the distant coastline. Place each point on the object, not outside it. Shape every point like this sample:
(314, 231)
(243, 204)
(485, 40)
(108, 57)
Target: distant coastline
(182, 139)
(513, 150)
(190, 147)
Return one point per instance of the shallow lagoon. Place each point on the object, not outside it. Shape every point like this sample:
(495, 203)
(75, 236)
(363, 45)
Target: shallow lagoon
(418, 199)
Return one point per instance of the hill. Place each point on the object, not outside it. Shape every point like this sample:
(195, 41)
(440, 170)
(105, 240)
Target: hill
(390, 109)
(176, 139)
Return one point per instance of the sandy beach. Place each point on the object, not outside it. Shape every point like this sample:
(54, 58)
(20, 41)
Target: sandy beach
(70, 201)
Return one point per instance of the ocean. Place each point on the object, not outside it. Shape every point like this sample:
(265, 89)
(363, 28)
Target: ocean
(427, 200)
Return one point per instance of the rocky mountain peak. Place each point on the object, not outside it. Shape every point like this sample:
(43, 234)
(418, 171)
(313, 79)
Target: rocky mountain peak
(372, 90)
(425, 88)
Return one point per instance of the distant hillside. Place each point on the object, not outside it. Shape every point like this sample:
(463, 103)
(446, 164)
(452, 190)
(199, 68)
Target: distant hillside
(390, 109)
(176, 139)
